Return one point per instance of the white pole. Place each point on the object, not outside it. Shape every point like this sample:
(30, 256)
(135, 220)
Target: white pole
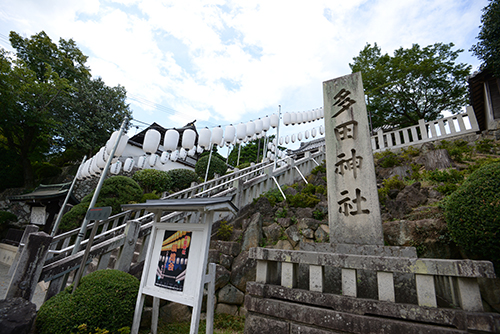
(277, 134)
(59, 216)
(209, 159)
(83, 228)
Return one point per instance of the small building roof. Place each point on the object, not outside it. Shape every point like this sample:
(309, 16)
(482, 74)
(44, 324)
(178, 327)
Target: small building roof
(46, 193)
(187, 204)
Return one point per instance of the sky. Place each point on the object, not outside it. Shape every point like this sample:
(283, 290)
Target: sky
(225, 62)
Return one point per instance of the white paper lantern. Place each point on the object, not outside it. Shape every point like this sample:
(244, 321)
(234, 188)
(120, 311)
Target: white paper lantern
(313, 132)
(250, 129)
(293, 138)
(269, 154)
(151, 141)
(85, 169)
(258, 126)
(293, 118)
(153, 159)
(275, 142)
(306, 134)
(229, 134)
(281, 140)
(287, 119)
(287, 139)
(171, 140)
(321, 129)
(141, 163)
(269, 145)
(321, 112)
(273, 148)
(217, 135)
(182, 153)
(299, 118)
(266, 123)
(164, 157)
(116, 167)
(275, 120)
(188, 138)
(94, 167)
(121, 145)
(299, 136)
(241, 131)
(192, 152)
(128, 165)
(174, 156)
(204, 138)
(101, 163)
(111, 142)
(199, 149)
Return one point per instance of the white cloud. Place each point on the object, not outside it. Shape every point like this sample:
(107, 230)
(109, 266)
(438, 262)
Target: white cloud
(227, 61)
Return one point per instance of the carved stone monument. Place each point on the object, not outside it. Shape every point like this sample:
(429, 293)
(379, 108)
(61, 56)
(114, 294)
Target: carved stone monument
(353, 204)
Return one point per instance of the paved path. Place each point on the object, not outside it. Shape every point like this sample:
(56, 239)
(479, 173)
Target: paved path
(5, 281)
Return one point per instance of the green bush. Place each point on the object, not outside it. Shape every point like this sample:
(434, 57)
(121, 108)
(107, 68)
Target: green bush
(302, 200)
(319, 169)
(388, 159)
(459, 150)
(473, 214)
(182, 178)
(148, 196)
(225, 231)
(447, 176)
(104, 299)
(217, 166)
(115, 191)
(485, 146)
(274, 196)
(153, 180)
(5, 219)
(387, 185)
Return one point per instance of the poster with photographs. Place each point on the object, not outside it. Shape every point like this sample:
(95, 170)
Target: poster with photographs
(173, 261)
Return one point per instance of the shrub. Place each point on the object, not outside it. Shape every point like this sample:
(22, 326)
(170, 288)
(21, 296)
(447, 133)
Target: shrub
(319, 169)
(5, 219)
(182, 178)
(485, 146)
(302, 200)
(153, 180)
(387, 185)
(459, 150)
(217, 166)
(148, 196)
(115, 191)
(388, 159)
(274, 196)
(225, 231)
(473, 214)
(447, 176)
(104, 299)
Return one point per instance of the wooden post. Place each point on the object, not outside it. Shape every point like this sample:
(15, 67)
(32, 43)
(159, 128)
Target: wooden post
(24, 239)
(127, 251)
(29, 268)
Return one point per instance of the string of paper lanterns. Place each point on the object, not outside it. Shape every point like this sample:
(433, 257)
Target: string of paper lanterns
(171, 151)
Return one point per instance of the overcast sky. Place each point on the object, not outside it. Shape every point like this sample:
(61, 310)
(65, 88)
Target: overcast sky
(221, 62)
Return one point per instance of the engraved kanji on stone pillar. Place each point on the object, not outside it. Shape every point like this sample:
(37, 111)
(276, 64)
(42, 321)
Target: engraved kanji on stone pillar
(353, 205)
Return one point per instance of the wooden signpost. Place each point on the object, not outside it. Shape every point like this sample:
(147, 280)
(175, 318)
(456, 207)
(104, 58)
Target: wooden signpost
(176, 261)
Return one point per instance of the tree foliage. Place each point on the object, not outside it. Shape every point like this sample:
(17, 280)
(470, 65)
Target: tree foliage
(217, 166)
(49, 102)
(415, 83)
(473, 214)
(252, 151)
(488, 47)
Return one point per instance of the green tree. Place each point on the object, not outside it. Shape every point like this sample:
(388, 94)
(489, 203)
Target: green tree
(49, 103)
(415, 83)
(488, 47)
(249, 152)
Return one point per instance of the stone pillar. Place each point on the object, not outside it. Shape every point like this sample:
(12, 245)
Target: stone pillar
(353, 205)
(29, 268)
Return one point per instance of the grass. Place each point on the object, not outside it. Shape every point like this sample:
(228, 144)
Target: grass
(223, 324)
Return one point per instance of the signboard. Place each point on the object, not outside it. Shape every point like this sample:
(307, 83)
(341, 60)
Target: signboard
(38, 215)
(173, 262)
(98, 213)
